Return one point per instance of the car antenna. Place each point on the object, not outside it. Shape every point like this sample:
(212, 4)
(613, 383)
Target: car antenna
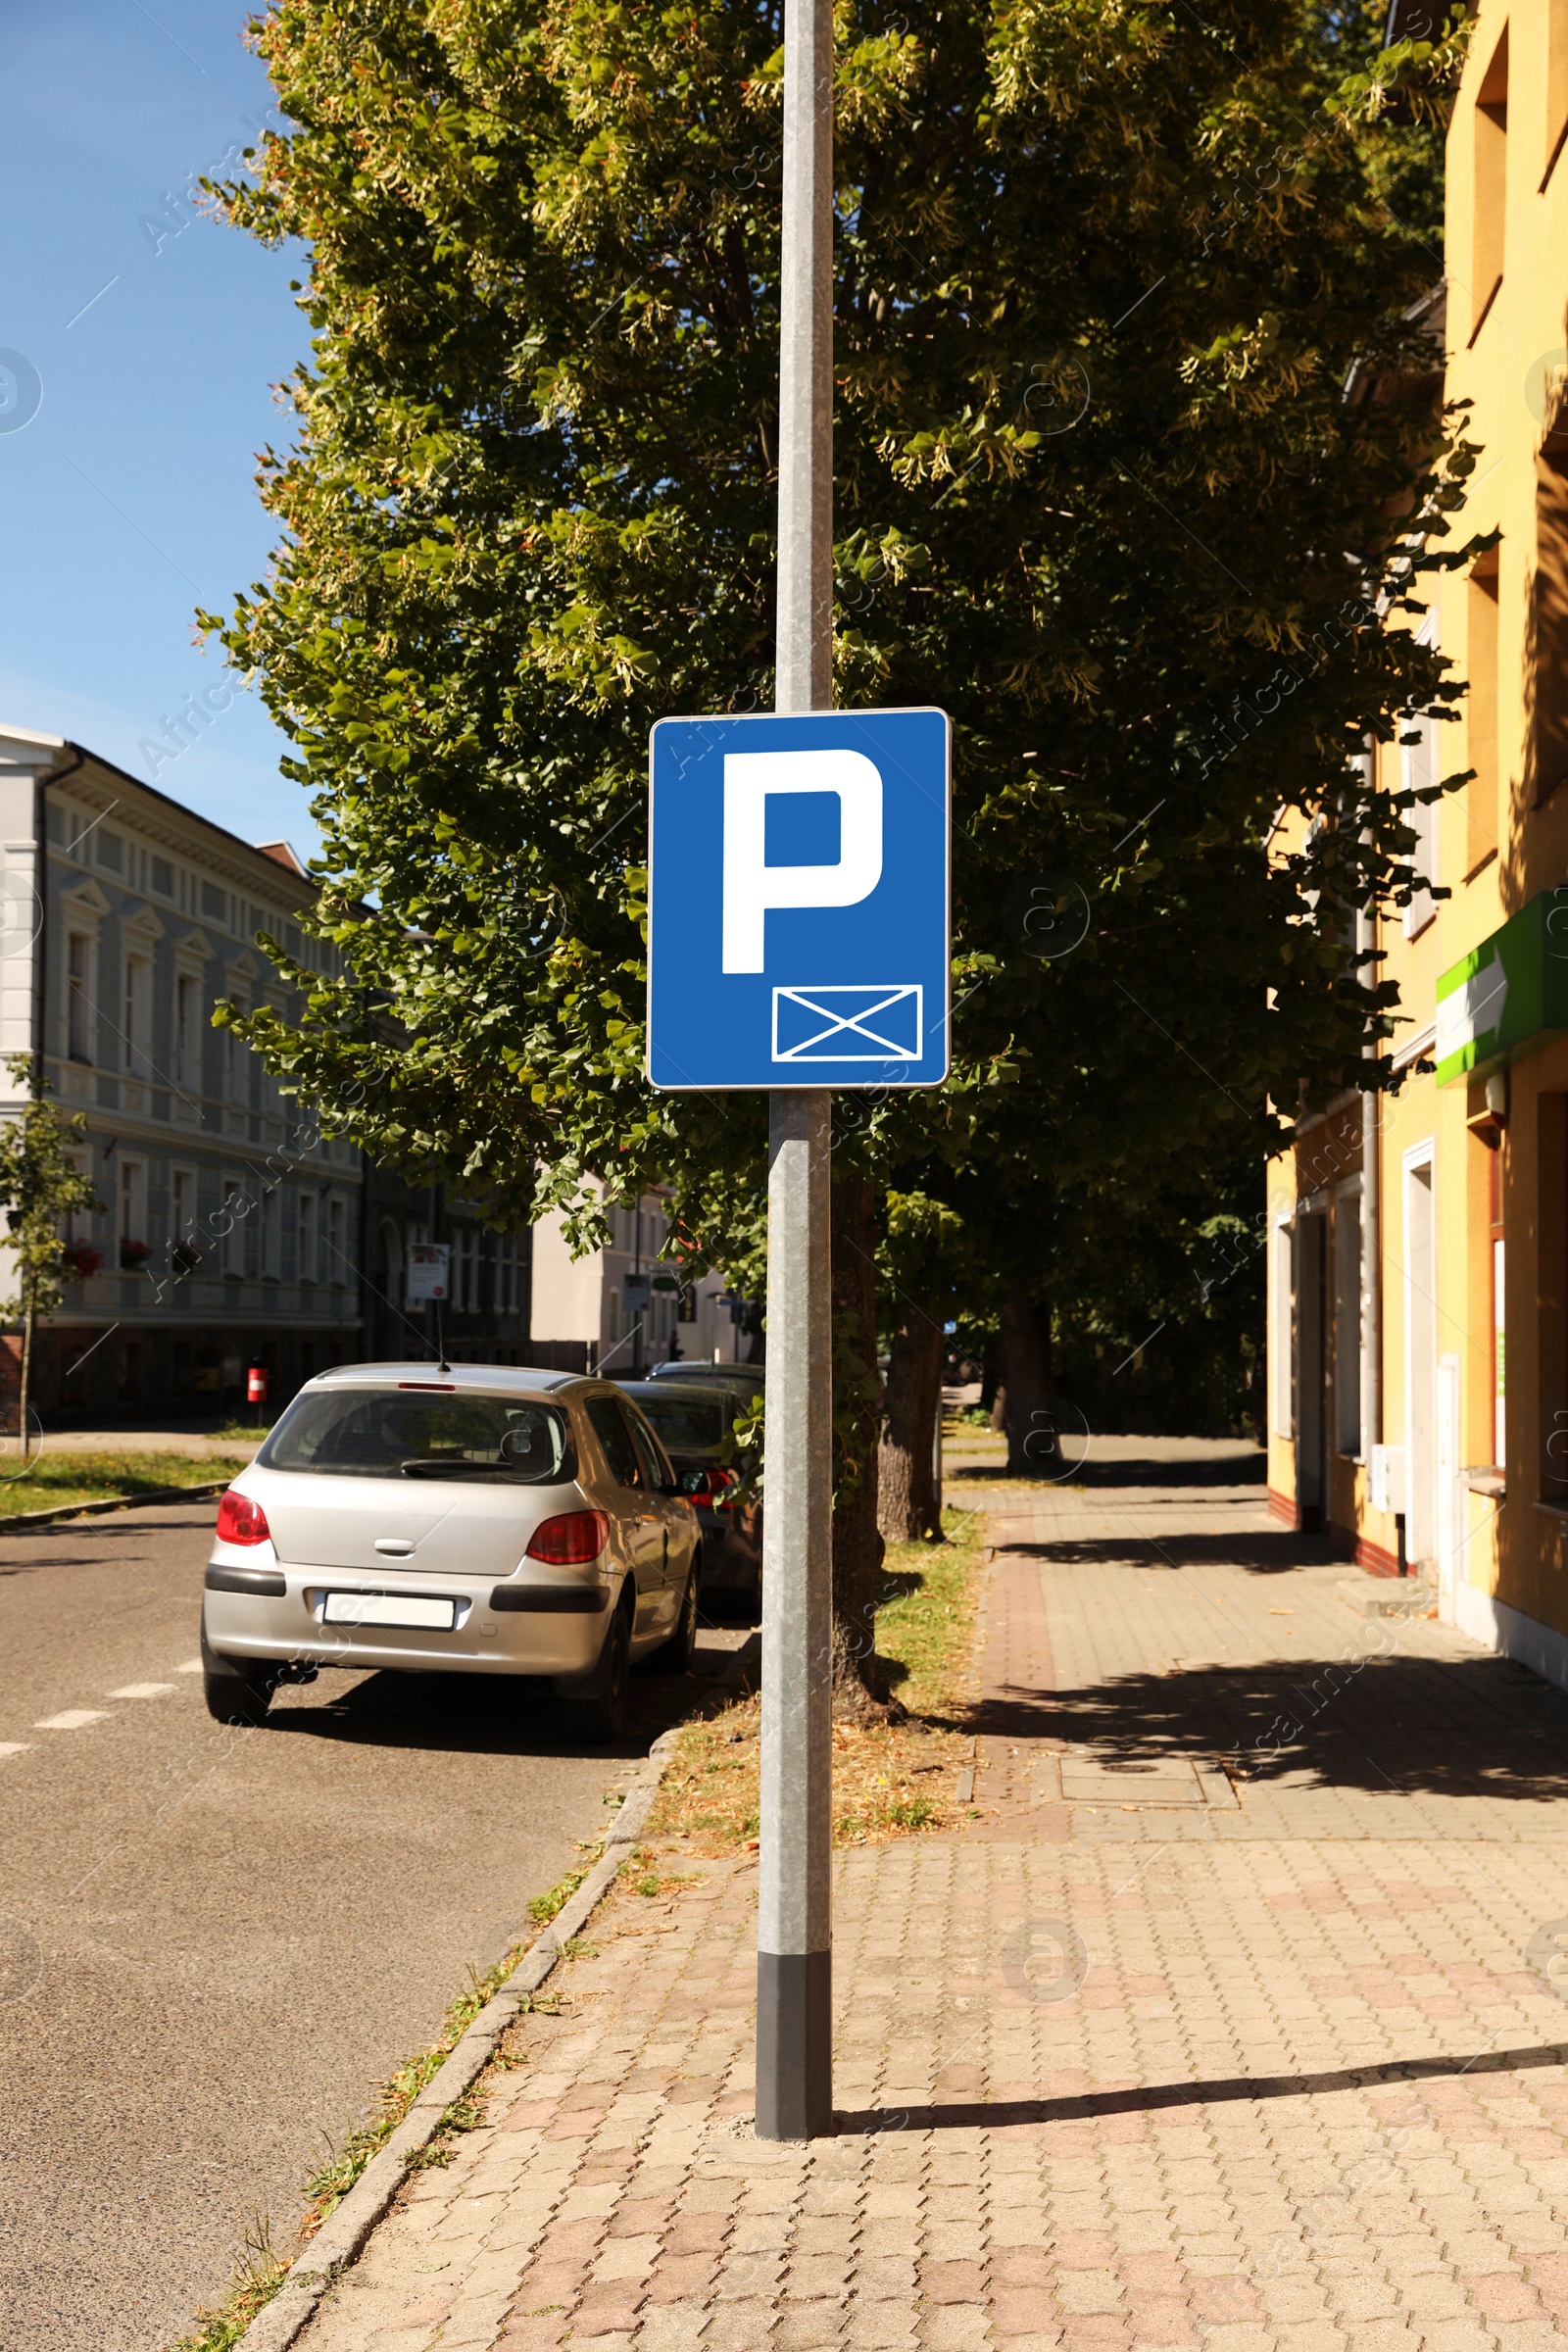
(440, 1341)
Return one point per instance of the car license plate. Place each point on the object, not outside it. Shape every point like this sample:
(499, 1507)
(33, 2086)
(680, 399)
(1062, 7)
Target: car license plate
(410, 1609)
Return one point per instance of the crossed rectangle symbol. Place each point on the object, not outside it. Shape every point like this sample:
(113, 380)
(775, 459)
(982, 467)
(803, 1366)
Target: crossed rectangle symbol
(834, 1022)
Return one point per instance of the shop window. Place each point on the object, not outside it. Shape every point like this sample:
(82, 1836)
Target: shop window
(1490, 185)
(1500, 1348)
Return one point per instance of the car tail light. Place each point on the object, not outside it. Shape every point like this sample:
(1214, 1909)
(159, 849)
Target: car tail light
(570, 1539)
(241, 1520)
(718, 1481)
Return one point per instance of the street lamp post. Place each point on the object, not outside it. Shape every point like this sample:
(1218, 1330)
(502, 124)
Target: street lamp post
(794, 1957)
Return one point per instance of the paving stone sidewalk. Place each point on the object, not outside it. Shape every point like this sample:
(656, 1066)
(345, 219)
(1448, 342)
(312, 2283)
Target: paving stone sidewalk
(1225, 2019)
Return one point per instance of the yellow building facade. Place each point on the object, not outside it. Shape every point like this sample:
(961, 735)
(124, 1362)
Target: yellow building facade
(1418, 1242)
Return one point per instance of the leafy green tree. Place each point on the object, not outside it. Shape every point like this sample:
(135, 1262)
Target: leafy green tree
(1102, 273)
(40, 1185)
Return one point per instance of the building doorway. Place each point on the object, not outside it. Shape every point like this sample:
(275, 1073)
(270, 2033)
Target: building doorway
(1311, 1419)
(1420, 1368)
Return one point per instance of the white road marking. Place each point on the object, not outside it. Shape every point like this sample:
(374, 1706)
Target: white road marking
(142, 1690)
(14, 1747)
(72, 1719)
(191, 1666)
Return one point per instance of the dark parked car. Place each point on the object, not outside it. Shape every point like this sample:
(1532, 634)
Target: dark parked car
(742, 1380)
(692, 1419)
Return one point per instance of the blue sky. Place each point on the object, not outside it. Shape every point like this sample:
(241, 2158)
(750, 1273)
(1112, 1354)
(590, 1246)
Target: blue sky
(128, 498)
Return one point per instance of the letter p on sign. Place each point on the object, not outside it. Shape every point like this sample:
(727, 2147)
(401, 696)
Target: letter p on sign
(751, 885)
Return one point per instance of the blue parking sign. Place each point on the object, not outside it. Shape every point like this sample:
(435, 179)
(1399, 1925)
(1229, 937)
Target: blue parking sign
(798, 923)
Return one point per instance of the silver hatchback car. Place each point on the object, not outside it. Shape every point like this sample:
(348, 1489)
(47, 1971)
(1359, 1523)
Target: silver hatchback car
(466, 1519)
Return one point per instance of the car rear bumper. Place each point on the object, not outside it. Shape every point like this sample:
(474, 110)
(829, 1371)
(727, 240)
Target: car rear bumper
(539, 1625)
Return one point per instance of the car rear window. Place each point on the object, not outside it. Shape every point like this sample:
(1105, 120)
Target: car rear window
(389, 1433)
(685, 1424)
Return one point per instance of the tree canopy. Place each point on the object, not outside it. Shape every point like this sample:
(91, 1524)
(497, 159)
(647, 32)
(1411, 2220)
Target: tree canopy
(1102, 273)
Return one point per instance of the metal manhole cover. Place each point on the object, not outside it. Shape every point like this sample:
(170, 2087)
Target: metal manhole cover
(1089, 1780)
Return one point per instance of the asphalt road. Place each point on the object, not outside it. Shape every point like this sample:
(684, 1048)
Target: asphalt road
(213, 1942)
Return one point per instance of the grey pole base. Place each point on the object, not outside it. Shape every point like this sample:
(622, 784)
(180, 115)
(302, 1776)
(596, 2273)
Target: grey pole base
(793, 2046)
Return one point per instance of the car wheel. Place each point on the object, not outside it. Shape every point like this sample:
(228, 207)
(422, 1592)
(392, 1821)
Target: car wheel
(237, 1689)
(596, 1709)
(676, 1656)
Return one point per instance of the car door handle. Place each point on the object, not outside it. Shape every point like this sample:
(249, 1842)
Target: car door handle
(396, 1548)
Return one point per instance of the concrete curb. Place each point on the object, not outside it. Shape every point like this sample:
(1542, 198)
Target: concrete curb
(282, 2322)
(115, 1503)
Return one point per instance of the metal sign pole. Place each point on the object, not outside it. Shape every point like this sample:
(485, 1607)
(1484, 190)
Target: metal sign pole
(793, 1942)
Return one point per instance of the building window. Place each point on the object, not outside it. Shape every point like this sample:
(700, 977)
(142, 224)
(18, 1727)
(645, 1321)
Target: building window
(1556, 84)
(187, 1029)
(182, 1220)
(78, 996)
(507, 1280)
(136, 1005)
(310, 1268)
(337, 1268)
(1481, 710)
(132, 1213)
(1419, 771)
(272, 1231)
(1347, 1324)
(232, 1225)
(238, 1058)
(1547, 652)
(79, 1225)
(1281, 1334)
(1490, 185)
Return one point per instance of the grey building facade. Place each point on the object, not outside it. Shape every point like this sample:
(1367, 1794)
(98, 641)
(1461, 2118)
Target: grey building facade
(231, 1233)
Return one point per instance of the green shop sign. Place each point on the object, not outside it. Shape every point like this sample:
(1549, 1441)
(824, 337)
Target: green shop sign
(1508, 997)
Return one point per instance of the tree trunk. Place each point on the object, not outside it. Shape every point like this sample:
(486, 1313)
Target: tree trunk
(859, 1685)
(26, 1378)
(1034, 1450)
(908, 1506)
(990, 1378)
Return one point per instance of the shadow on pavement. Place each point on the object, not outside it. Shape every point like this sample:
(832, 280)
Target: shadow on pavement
(1269, 1551)
(1391, 1724)
(994, 2114)
(1243, 1467)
